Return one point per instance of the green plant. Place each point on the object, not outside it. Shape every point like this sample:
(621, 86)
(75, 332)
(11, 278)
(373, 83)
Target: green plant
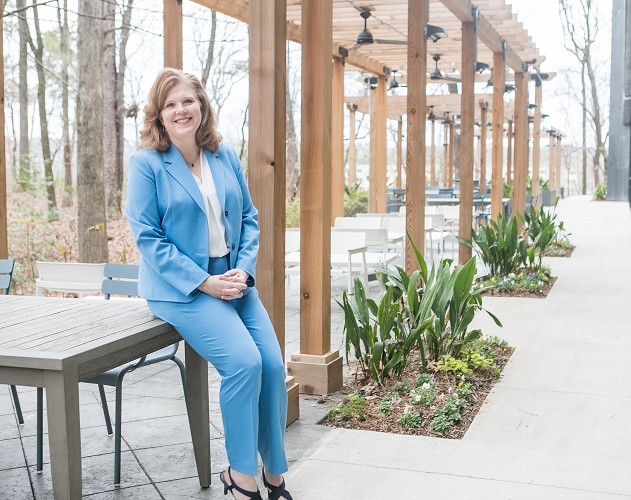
(512, 282)
(507, 190)
(544, 185)
(385, 407)
(402, 387)
(423, 395)
(542, 229)
(529, 185)
(463, 390)
(449, 364)
(493, 342)
(410, 418)
(292, 214)
(449, 414)
(424, 378)
(354, 206)
(353, 407)
(601, 192)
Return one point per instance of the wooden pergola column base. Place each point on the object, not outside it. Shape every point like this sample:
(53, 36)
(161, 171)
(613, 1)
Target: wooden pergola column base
(293, 400)
(317, 374)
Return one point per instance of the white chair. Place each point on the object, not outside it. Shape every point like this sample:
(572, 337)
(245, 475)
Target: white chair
(397, 229)
(378, 238)
(357, 223)
(69, 277)
(292, 245)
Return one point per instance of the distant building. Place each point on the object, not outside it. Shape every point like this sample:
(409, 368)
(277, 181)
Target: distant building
(618, 164)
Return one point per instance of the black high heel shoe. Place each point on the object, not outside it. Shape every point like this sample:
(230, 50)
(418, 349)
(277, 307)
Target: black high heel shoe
(254, 495)
(276, 492)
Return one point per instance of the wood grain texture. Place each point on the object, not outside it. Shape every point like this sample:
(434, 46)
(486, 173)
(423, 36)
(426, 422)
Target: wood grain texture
(445, 154)
(337, 142)
(551, 165)
(352, 151)
(172, 34)
(497, 182)
(381, 151)
(4, 235)
(483, 130)
(521, 149)
(432, 172)
(536, 143)
(372, 165)
(467, 116)
(399, 152)
(267, 152)
(452, 154)
(509, 154)
(416, 116)
(315, 162)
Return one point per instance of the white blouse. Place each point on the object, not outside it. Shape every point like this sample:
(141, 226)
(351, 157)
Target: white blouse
(217, 237)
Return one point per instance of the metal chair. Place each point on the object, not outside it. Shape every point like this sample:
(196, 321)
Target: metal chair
(127, 284)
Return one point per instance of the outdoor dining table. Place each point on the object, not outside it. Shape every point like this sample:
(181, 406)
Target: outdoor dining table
(57, 343)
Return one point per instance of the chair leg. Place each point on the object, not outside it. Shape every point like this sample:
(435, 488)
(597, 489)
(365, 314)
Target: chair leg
(117, 431)
(180, 365)
(40, 430)
(106, 411)
(16, 402)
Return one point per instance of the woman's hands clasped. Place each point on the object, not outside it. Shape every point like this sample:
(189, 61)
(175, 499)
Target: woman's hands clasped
(226, 286)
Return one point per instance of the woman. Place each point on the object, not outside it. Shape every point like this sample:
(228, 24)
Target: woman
(196, 228)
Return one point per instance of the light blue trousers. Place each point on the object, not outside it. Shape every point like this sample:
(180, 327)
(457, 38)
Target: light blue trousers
(237, 337)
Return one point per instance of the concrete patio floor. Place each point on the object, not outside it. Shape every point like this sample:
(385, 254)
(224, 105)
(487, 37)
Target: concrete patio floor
(555, 426)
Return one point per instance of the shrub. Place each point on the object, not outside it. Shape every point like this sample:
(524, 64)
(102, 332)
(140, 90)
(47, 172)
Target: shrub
(544, 185)
(507, 190)
(410, 418)
(292, 214)
(601, 192)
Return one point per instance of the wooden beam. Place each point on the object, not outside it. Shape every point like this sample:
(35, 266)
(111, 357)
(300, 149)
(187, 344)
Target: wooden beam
(372, 161)
(551, 165)
(315, 166)
(266, 152)
(4, 235)
(432, 174)
(483, 129)
(416, 115)
(467, 117)
(172, 34)
(399, 152)
(337, 142)
(446, 154)
(536, 144)
(509, 155)
(497, 181)
(352, 152)
(521, 147)
(558, 162)
(381, 146)
(452, 154)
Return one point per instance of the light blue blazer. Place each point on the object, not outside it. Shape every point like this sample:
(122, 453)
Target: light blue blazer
(166, 212)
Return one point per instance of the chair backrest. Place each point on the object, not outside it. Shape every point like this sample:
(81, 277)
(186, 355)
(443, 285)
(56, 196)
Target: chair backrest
(292, 240)
(378, 214)
(126, 282)
(402, 210)
(342, 242)
(431, 209)
(438, 220)
(6, 271)
(372, 236)
(449, 211)
(394, 224)
(70, 272)
(358, 222)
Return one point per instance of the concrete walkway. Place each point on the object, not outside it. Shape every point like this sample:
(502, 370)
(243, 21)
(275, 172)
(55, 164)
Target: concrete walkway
(557, 426)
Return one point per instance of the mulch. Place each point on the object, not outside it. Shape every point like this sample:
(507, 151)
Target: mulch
(524, 293)
(482, 382)
(568, 251)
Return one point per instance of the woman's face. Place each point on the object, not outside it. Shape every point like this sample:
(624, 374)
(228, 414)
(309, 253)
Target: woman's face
(181, 114)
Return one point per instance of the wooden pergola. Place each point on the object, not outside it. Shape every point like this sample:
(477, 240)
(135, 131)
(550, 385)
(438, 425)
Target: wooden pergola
(480, 31)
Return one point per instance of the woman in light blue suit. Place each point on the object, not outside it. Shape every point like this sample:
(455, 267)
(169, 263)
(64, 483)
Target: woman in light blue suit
(193, 220)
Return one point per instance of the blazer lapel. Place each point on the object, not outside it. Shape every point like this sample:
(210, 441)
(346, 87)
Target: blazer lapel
(216, 169)
(177, 167)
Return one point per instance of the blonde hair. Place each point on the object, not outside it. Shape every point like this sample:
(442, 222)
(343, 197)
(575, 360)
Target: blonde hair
(154, 135)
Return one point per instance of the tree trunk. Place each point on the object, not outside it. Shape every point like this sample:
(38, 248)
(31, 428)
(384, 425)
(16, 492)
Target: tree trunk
(292, 172)
(598, 126)
(584, 105)
(112, 195)
(90, 185)
(68, 190)
(38, 51)
(211, 49)
(25, 164)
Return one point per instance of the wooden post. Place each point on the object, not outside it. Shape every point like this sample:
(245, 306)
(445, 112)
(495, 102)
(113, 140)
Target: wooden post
(558, 163)
(497, 182)
(266, 160)
(337, 142)
(509, 154)
(445, 154)
(372, 166)
(352, 152)
(432, 174)
(416, 116)
(551, 157)
(521, 144)
(476, 162)
(467, 122)
(536, 144)
(380, 150)
(317, 369)
(172, 34)
(452, 151)
(483, 129)
(399, 152)
(4, 235)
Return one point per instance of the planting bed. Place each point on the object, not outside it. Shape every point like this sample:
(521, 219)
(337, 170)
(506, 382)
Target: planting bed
(523, 292)
(436, 396)
(556, 250)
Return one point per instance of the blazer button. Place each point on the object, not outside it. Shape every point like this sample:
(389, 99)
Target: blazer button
(226, 213)
(233, 246)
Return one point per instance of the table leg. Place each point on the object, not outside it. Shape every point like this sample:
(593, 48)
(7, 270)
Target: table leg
(198, 417)
(64, 436)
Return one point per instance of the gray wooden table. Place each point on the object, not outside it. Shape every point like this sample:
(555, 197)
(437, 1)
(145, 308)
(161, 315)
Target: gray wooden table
(57, 343)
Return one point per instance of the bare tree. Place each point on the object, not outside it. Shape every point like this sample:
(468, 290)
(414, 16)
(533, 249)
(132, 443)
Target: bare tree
(38, 52)
(65, 115)
(292, 177)
(90, 185)
(25, 164)
(211, 49)
(579, 19)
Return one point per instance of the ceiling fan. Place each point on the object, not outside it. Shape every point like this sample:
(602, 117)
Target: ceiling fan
(438, 74)
(394, 84)
(365, 36)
